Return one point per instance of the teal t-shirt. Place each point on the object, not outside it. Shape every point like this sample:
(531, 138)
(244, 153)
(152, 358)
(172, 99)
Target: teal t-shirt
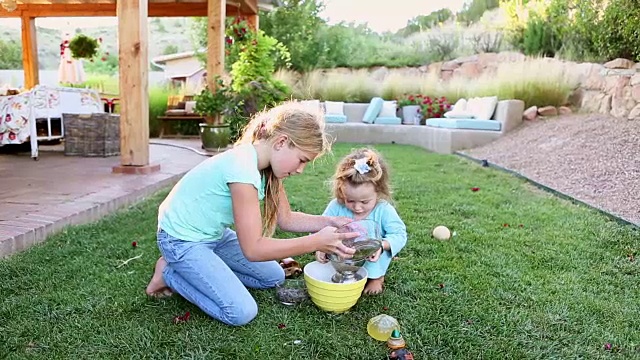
(199, 207)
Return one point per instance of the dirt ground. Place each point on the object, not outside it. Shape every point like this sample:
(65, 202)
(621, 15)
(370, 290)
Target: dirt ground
(594, 158)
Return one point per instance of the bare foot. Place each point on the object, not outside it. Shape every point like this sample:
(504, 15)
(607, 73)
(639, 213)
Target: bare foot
(157, 287)
(374, 286)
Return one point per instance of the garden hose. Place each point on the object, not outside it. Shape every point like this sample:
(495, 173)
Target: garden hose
(182, 147)
(549, 190)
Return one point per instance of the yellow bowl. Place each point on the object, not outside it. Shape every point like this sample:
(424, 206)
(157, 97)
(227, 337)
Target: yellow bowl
(330, 296)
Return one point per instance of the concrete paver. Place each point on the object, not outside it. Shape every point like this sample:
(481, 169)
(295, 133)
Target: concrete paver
(40, 198)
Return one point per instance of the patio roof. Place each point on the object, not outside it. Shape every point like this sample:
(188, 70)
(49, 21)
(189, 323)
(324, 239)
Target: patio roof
(156, 8)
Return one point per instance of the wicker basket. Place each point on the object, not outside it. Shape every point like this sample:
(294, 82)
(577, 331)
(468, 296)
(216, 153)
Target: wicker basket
(96, 134)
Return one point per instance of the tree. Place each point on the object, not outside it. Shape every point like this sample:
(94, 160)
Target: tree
(10, 55)
(298, 26)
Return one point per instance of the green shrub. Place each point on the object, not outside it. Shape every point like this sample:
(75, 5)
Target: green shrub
(158, 97)
(619, 30)
(540, 37)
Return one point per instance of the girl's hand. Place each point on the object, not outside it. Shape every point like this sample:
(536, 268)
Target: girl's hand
(375, 256)
(321, 257)
(338, 221)
(329, 241)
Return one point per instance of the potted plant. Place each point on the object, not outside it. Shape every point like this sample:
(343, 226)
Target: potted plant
(214, 104)
(410, 105)
(83, 47)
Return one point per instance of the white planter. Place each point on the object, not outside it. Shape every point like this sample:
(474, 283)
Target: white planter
(409, 114)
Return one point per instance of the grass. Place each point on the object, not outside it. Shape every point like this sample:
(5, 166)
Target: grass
(561, 286)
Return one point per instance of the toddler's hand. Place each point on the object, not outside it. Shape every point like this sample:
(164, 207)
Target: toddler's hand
(321, 257)
(375, 256)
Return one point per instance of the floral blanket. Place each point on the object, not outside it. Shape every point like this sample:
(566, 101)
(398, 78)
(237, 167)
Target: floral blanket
(18, 112)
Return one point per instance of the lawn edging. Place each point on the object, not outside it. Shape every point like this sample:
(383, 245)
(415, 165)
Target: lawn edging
(549, 189)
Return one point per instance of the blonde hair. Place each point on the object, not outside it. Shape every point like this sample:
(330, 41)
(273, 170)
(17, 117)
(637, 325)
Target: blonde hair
(304, 129)
(377, 174)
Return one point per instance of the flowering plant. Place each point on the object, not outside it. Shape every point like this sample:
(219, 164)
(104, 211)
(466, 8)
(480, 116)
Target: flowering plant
(409, 99)
(434, 107)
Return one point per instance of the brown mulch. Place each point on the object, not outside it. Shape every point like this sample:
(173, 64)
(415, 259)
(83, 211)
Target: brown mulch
(593, 158)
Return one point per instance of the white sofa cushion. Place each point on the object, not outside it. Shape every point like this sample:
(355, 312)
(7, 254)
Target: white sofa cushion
(388, 109)
(311, 105)
(460, 111)
(482, 107)
(334, 107)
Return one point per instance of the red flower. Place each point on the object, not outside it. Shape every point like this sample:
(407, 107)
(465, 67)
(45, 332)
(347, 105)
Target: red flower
(385, 308)
(474, 189)
(104, 58)
(134, 244)
(505, 225)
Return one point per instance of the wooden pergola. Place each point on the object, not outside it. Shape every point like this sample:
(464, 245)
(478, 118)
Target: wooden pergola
(133, 53)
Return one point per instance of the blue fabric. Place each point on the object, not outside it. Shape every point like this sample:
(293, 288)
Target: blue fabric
(469, 124)
(388, 120)
(214, 275)
(199, 206)
(335, 118)
(374, 108)
(392, 227)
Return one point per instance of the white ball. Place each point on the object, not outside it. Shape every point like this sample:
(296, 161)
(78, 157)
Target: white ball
(441, 233)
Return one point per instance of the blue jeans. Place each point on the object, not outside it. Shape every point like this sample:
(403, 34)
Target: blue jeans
(215, 275)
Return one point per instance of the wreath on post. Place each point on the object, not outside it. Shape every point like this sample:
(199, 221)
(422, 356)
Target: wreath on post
(83, 47)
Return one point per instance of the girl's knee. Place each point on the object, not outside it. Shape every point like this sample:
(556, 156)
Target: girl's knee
(241, 314)
(273, 277)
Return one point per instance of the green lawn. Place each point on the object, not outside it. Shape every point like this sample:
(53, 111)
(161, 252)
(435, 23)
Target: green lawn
(561, 286)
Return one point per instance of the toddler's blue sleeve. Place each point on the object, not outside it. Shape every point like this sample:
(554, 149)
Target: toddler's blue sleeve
(332, 209)
(393, 229)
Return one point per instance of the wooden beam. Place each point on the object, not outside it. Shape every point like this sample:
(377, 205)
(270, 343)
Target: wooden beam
(29, 52)
(134, 82)
(249, 6)
(156, 9)
(215, 40)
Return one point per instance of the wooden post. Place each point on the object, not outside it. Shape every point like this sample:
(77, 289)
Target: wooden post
(134, 87)
(216, 14)
(29, 52)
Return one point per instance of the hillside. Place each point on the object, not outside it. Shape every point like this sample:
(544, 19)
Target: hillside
(162, 32)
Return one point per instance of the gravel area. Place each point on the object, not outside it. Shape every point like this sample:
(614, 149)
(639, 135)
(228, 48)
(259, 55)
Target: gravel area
(593, 158)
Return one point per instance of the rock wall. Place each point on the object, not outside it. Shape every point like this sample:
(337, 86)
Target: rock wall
(612, 88)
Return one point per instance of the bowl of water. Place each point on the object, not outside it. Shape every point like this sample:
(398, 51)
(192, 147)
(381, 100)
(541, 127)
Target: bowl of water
(329, 295)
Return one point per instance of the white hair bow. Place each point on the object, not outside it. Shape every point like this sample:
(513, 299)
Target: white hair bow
(361, 166)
